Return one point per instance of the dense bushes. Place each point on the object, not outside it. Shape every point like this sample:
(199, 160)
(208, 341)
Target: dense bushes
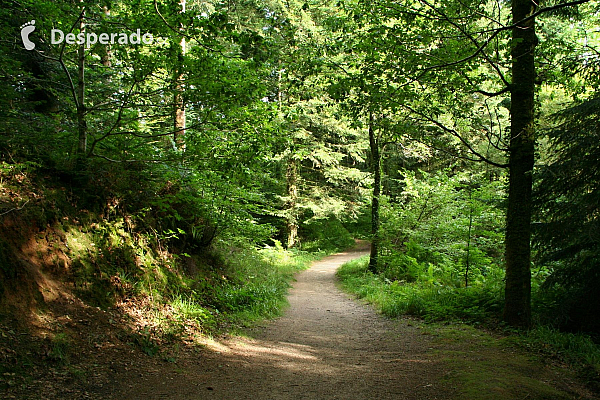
(440, 251)
(424, 298)
(325, 234)
(444, 229)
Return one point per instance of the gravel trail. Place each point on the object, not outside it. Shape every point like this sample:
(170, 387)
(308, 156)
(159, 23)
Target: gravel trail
(325, 346)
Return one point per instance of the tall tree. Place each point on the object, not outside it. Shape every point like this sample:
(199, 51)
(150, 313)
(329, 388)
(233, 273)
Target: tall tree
(80, 100)
(179, 120)
(567, 208)
(517, 308)
(375, 147)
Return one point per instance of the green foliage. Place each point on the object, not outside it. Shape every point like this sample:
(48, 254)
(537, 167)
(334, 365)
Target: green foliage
(148, 344)
(575, 348)
(567, 210)
(275, 86)
(484, 365)
(220, 288)
(360, 226)
(578, 349)
(186, 308)
(442, 229)
(430, 301)
(60, 348)
(257, 283)
(328, 235)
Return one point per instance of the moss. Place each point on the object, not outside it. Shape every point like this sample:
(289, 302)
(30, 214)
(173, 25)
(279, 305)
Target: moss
(481, 366)
(496, 379)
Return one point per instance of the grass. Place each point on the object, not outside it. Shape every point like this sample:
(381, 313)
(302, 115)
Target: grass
(577, 350)
(238, 288)
(580, 347)
(258, 284)
(432, 302)
(479, 365)
(60, 348)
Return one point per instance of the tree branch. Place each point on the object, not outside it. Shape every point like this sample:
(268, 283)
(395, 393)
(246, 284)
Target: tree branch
(15, 209)
(454, 133)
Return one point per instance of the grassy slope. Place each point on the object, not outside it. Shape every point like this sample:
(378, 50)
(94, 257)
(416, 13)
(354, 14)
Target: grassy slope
(74, 283)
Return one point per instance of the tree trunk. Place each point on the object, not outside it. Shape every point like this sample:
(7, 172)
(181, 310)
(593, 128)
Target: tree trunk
(106, 53)
(81, 122)
(468, 258)
(517, 308)
(376, 170)
(179, 116)
(179, 119)
(292, 192)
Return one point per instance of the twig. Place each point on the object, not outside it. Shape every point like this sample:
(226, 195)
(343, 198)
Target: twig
(15, 209)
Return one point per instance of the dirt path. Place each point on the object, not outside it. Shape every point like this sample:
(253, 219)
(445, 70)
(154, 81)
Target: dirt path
(326, 346)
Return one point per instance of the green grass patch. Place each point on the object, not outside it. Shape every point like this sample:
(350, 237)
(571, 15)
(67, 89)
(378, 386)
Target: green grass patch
(60, 348)
(578, 350)
(481, 366)
(424, 299)
(258, 283)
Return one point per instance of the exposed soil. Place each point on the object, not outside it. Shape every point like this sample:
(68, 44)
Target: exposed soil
(326, 346)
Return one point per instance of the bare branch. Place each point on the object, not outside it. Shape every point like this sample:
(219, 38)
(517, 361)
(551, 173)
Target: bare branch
(15, 209)
(454, 133)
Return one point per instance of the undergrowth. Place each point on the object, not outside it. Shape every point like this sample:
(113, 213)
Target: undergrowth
(215, 289)
(576, 349)
(157, 262)
(423, 298)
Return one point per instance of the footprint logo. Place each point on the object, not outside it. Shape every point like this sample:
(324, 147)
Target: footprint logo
(26, 29)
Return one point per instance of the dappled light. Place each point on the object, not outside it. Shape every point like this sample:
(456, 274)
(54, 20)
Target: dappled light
(300, 199)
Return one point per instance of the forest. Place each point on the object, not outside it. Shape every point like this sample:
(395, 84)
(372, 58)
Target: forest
(177, 162)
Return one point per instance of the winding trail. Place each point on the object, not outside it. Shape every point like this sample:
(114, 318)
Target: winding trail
(326, 346)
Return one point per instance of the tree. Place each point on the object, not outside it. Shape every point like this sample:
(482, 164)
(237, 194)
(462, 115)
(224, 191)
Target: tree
(80, 97)
(179, 120)
(566, 235)
(517, 309)
(374, 145)
(319, 160)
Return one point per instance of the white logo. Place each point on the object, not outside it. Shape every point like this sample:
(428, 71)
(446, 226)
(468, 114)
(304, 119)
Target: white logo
(90, 38)
(26, 29)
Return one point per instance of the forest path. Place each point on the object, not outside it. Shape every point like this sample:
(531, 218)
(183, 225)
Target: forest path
(325, 346)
